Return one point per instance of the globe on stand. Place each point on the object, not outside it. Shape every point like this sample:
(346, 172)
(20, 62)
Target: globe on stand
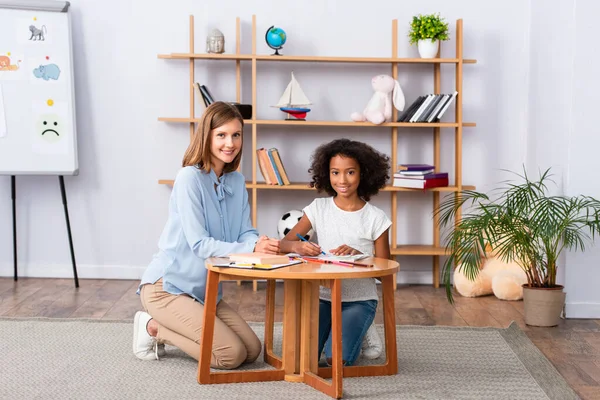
(275, 38)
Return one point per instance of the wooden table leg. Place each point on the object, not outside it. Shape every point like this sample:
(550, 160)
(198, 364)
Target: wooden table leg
(389, 321)
(333, 389)
(205, 376)
(269, 356)
(309, 325)
(208, 326)
(291, 325)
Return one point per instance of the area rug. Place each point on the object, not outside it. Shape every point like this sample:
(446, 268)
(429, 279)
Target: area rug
(90, 359)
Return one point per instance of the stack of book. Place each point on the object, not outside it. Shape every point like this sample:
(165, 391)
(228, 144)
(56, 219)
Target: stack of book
(271, 167)
(427, 108)
(419, 176)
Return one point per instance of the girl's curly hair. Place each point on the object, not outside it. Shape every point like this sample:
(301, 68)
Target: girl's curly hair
(374, 166)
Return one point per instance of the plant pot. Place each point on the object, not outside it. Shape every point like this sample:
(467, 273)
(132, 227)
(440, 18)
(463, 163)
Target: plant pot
(427, 48)
(543, 306)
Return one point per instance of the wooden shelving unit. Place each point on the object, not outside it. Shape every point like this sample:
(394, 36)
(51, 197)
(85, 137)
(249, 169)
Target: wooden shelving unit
(435, 249)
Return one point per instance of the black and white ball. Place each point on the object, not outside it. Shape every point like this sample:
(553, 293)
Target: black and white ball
(288, 221)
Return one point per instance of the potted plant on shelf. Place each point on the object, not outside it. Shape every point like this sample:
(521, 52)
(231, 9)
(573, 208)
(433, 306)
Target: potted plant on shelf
(427, 31)
(520, 222)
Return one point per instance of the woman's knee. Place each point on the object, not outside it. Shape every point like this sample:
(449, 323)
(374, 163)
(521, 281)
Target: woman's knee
(230, 357)
(253, 348)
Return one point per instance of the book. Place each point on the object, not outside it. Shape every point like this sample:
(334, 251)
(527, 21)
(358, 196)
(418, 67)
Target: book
(433, 175)
(197, 87)
(411, 109)
(415, 167)
(424, 105)
(331, 257)
(268, 167)
(274, 166)
(416, 173)
(420, 183)
(445, 107)
(259, 258)
(425, 116)
(439, 106)
(275, 153)
(206, 94)
(237, 264)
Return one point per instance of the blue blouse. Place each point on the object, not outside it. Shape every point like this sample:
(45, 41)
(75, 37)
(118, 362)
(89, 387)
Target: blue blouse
(208, 217)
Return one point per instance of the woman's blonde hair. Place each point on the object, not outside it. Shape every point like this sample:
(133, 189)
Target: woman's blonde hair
(198, 152)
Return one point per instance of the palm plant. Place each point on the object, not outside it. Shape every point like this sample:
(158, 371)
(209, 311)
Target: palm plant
(521, 223)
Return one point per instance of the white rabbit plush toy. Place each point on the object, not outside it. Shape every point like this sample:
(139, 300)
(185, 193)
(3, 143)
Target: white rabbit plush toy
(379, 108)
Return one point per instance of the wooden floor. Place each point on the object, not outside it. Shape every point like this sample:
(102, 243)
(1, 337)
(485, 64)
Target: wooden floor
(573, 347)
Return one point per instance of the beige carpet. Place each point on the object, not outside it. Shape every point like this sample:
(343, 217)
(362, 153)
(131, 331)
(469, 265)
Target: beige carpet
(85, 359)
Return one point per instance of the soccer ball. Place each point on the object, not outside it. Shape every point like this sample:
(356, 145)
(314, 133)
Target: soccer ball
(288, 221)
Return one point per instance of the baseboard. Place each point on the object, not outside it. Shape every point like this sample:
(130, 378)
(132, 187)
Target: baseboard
(582, 310)
(84, 271)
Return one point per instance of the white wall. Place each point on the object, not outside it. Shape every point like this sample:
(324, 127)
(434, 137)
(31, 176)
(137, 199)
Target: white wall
(582, 273)
(117, 208)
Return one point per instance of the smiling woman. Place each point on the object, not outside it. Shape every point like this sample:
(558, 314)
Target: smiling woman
(209, 216)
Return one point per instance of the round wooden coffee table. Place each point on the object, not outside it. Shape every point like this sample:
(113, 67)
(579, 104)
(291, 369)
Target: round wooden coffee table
(299, 360)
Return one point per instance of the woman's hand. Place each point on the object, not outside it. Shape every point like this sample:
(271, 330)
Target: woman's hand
(306, 248)
(344, 250)
(267, 245)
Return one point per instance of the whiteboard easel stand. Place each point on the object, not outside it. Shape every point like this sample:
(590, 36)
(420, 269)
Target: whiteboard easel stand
(63, 194)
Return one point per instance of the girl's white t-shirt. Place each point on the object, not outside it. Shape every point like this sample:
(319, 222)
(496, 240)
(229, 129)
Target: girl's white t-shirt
(357, 229)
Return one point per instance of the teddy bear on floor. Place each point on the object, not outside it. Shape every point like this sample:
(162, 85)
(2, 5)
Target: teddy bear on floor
(379, 108)
(503, 279)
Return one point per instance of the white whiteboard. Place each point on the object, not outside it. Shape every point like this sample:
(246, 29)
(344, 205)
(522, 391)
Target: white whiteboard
(37, 101)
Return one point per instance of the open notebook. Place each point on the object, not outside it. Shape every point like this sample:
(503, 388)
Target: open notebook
(238, 264)
(331, 257)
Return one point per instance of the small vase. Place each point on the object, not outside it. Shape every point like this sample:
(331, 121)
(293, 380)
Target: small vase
(427, 48)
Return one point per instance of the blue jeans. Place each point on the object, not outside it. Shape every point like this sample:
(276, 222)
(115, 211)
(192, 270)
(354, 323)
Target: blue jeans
(357, 317)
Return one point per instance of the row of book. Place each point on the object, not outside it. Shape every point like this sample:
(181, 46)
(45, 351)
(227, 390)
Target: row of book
(419, 176)
(427, 108)
(271, 166)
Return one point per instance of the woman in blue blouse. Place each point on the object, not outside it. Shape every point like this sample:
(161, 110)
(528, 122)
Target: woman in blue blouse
(209, 216)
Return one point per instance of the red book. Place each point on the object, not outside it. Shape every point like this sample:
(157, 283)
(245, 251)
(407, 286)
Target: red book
(420, 183)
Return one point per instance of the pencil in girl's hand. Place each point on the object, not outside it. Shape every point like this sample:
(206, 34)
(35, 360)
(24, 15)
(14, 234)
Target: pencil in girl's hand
(304, 240)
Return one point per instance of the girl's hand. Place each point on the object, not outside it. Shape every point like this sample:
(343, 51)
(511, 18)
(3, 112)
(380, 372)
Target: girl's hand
(267, 245)
(344, 250)
(306, 248)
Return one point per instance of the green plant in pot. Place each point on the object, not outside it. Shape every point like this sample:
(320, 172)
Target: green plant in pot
(521, 222)
(427, 31)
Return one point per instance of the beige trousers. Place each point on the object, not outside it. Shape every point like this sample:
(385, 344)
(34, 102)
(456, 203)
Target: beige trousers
(180, 324)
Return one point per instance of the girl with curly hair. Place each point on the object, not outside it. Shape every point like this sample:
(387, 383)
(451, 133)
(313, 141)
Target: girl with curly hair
(351, 173)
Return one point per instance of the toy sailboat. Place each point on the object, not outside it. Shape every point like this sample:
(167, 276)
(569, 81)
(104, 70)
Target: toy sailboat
(294, 101)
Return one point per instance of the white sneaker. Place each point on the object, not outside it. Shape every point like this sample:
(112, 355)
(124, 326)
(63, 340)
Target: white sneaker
(145, 347)
(371, 345)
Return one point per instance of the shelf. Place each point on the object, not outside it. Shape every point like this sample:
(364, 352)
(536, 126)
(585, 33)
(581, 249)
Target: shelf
(334, 123)
(417, 250)
(371, 60)
(304, 186)
(206, 56)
